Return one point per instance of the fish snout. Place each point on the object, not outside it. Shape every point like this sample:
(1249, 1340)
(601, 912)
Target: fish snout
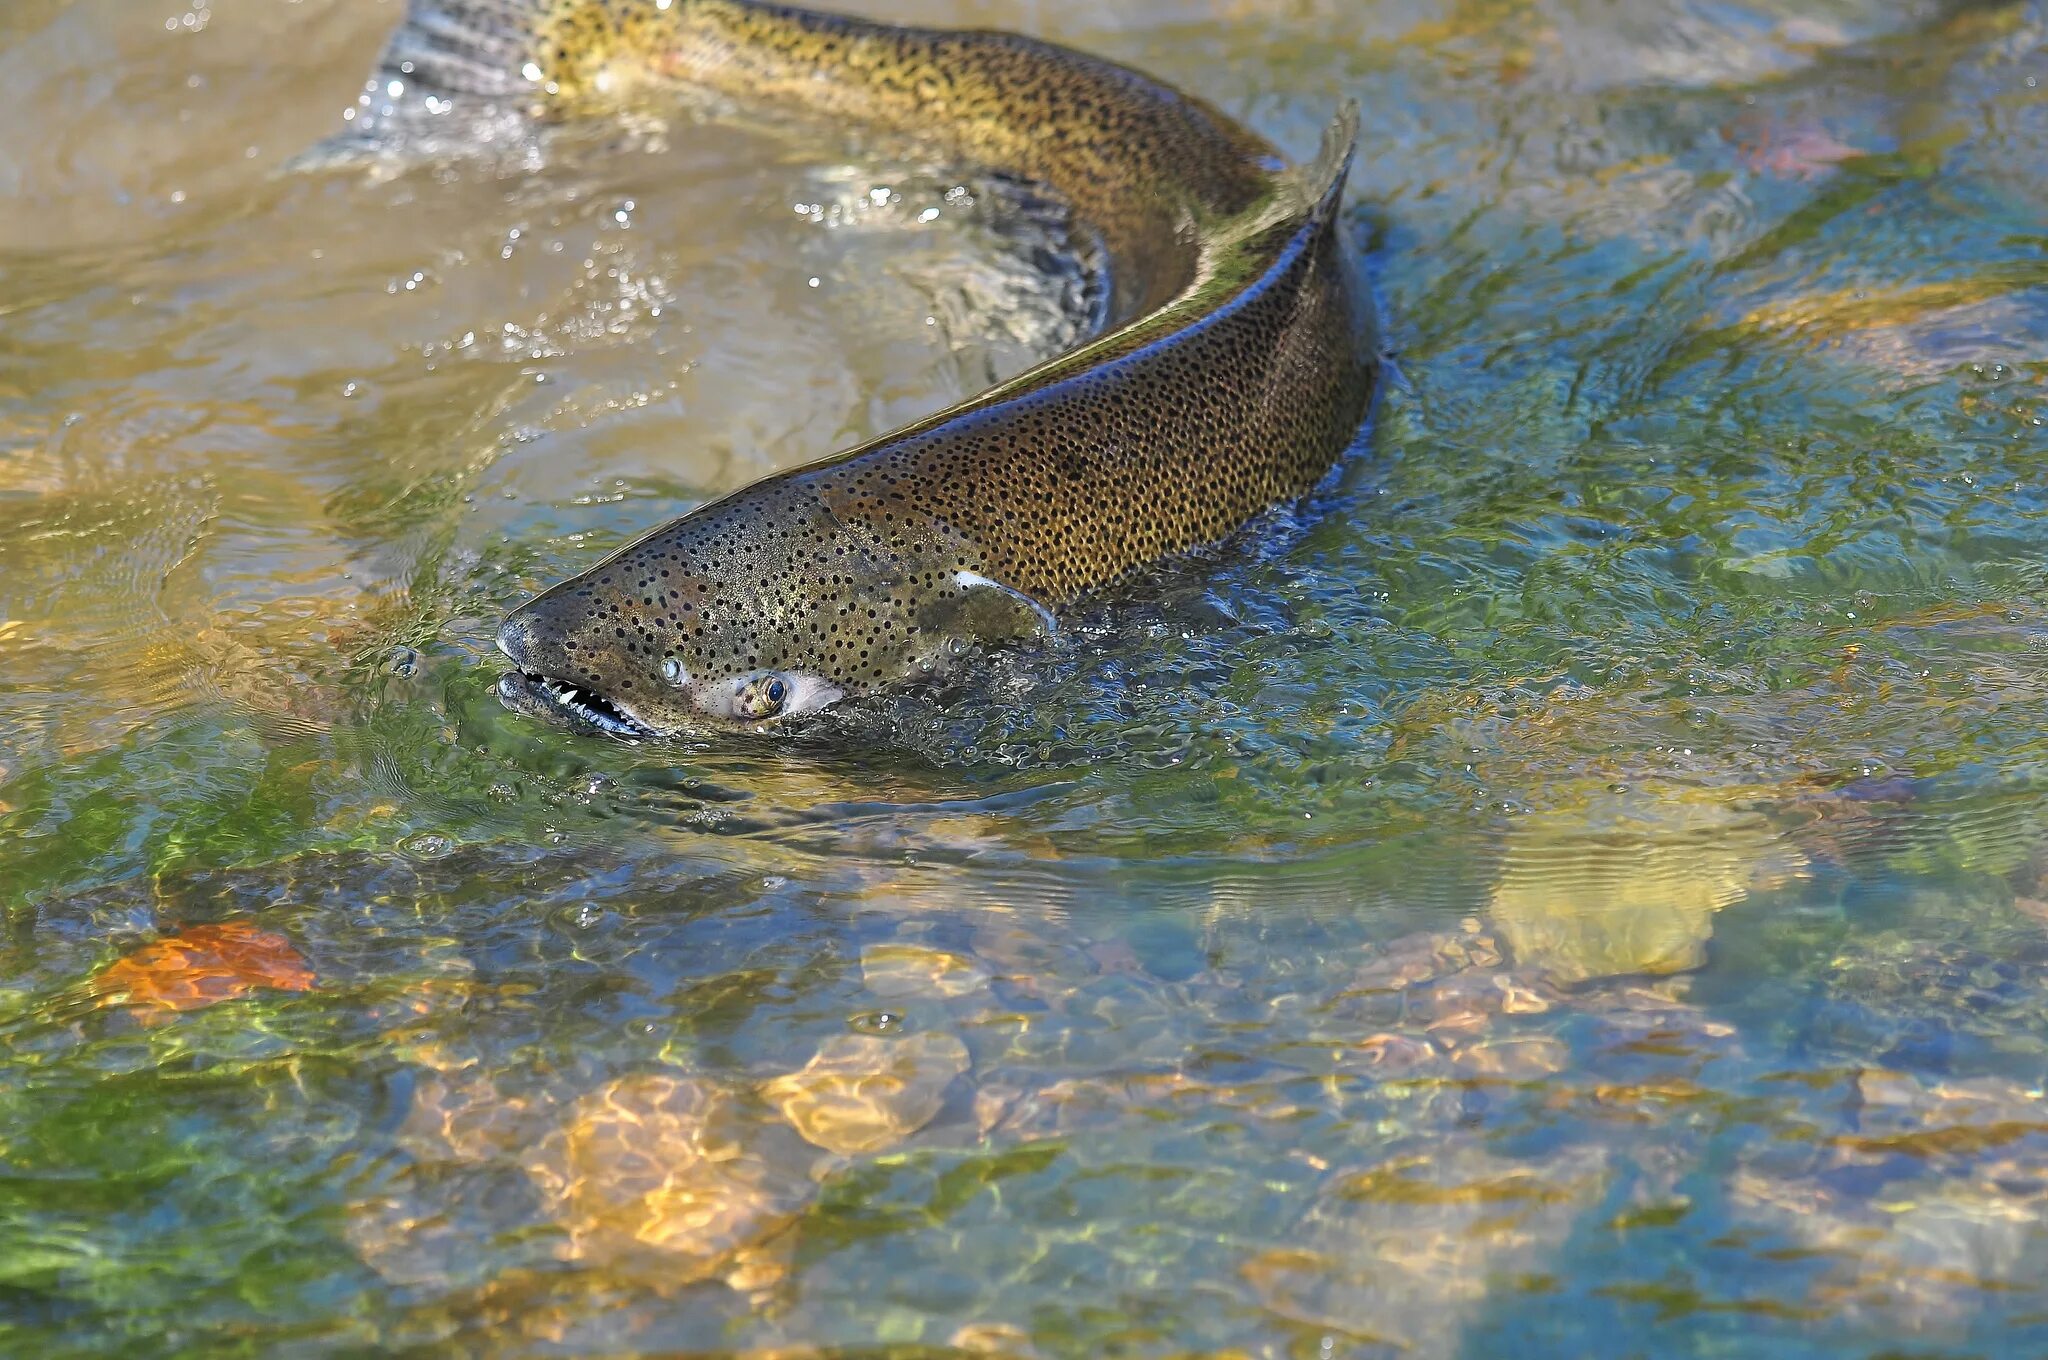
(541, 637)
(515, 639)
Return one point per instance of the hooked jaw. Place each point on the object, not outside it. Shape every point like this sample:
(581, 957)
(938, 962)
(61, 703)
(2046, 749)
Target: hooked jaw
(532, 690)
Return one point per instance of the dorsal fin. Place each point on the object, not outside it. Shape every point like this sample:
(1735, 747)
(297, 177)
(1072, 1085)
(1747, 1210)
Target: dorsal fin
(1320, 183)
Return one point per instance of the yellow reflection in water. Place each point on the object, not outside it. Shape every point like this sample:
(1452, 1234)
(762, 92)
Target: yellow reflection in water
(1630, 883)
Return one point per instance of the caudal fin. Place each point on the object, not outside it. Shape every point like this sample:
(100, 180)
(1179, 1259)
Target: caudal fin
(466, 47)
(454, 70)
(1320, 183)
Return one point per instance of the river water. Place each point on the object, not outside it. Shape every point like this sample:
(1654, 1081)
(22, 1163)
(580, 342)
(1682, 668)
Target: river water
(1575, 887)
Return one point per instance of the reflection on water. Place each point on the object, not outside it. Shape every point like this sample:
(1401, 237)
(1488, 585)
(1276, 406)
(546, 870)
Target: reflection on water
(1578, 887)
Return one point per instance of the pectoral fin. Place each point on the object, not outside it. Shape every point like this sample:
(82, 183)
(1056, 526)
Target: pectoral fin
(989, 611)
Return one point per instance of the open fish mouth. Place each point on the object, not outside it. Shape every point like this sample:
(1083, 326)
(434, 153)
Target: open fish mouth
(567, 704)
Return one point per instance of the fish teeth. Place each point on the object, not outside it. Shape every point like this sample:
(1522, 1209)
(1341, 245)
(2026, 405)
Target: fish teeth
(582, 704)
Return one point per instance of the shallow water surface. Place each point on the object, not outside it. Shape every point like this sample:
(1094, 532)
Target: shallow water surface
(1578, 886)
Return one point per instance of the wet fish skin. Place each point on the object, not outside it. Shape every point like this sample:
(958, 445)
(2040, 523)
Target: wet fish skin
(1238, 364)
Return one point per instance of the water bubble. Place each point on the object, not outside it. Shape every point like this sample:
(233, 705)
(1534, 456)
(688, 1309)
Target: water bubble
(876, 1022)
(427, 845)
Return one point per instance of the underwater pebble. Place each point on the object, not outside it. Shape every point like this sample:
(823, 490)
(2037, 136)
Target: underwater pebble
(1515, 1059)
(1628, 883)
(1391, 1055)
(901, 972)
(1404, 1253)
(860, 1093)
(668, 1167)
(466, 1119)
(993, 1338)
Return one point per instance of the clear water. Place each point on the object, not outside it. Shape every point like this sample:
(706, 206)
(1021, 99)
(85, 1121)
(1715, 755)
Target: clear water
(1575, 889)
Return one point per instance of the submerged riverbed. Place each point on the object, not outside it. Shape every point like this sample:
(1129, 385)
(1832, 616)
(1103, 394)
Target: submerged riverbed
(1578, 887)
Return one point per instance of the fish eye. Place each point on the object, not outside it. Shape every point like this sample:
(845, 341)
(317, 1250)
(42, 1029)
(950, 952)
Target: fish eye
(761, 696)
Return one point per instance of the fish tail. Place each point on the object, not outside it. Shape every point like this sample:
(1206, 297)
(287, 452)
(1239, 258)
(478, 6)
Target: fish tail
(503, 62)
(1320, 183)
(478, 48)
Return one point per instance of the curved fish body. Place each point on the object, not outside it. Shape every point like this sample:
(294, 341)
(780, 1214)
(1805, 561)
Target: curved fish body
(1237, 364)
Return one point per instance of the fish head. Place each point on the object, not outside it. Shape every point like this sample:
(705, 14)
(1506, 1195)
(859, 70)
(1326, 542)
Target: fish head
(759, 608)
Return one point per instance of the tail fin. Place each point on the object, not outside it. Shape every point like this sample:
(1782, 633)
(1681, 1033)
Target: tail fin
(1320, 183)
(455, 71)
(464, 47)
